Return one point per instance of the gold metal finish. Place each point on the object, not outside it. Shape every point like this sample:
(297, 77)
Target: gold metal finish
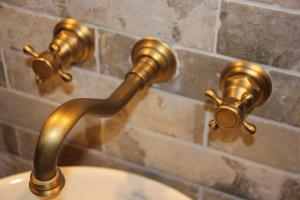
(153, 61)
(72, 43)
(245, 86)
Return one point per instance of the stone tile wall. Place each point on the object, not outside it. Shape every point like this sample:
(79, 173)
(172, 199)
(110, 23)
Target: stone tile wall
(162, 133)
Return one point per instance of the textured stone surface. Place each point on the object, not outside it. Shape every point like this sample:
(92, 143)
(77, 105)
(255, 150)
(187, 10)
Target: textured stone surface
(20, 27)
(2, 74)
(33, 29)
(23, 111)
(261, 35)
(191, 23)
(197, 73)
(114, 53)
(8, 141)
(196, 164)
(164, 113)
(10, 164)
(73, 155)
(293, 4)
(283, 105)
(84, 84)
(272, 144)
(151, 109)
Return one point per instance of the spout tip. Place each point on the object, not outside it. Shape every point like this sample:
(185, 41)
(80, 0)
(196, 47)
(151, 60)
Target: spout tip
(47, 189)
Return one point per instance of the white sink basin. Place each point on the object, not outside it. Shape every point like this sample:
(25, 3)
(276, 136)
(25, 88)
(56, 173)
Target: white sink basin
(93, 183)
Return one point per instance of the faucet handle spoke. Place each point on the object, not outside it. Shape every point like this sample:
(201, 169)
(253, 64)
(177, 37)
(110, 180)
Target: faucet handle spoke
(67, 77)
(29, 50)
(251, 128)
(212, 94)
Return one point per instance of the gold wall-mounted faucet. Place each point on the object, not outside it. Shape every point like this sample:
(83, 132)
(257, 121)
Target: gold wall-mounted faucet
(245, 86)
(152, 60)
(72, 43)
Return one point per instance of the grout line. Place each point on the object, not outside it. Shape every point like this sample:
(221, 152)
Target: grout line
(30, 96)
(276, 123)
(230, 196)
(217, 26)
(176, 46)
(55, 17)
(17, 127)
(135, 165)
(214, 151)
(200, 193)
(229, 58)
(207, 117)
(5, 69)
(266, 6)
(97, 50)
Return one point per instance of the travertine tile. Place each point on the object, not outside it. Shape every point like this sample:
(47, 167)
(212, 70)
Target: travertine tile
(23, 111)
(2, 74)
(283, 105)
(114, 53)
(72, 155)
(84, 84)
(19, 28)
(151, 109)
(22, 27)
(8, 141)
(191, 23)
(164, 113)
(196, 164)
(261, 35)
(293, 4)
(10, 164)
(197, 73)
(56, 7)
(272, 144)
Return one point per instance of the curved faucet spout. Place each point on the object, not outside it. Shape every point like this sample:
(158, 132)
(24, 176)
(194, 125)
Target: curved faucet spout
(153, 62)
(65, 117)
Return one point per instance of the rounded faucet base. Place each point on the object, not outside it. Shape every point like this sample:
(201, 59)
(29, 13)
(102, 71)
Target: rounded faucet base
(47, 189)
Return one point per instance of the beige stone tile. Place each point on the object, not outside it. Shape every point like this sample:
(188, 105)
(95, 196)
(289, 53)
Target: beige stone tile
(283, 105)
(27, 142)
(197, 73)
(23, 111)
(260, 35)
(272, 144)
(114, 53)
(84, 84)
(196, 164)
(8, 141)
(164, 113)
(72, 155)
(191, 23)
(52, 7)
(10, 164)
(151, 109)
(293, 4)
(19, 28)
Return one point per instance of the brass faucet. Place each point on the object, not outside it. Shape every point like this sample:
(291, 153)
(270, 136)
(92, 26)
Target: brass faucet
(152, 60)
(245, 86)
(72, 43)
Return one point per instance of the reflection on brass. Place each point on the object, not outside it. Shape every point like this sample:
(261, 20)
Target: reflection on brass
(72, 43)
(245, 86)
(152, 60)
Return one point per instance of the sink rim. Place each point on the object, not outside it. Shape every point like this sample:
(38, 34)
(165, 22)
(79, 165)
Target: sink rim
(24, 176)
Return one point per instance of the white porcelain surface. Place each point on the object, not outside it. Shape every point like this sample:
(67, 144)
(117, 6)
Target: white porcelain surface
(93, 183)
